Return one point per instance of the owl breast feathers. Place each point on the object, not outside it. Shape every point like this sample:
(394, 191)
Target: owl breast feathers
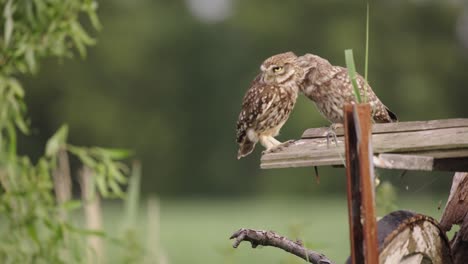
(265, 109)
(268, 103)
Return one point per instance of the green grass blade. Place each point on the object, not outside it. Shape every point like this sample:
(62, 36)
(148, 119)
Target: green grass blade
(367, 44)
(366, 62)
(352, 73)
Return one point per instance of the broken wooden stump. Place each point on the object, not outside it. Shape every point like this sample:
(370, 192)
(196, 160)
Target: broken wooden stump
(410, 238)
(456, 213)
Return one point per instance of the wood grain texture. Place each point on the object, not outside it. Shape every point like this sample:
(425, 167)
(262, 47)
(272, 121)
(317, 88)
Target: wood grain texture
(417, 234)
(360, 184)
(270, 238)
(444, 142)
(456, 209)
(395, 127)
(456, 213)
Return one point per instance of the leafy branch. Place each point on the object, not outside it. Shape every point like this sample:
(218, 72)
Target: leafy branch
(34, 229)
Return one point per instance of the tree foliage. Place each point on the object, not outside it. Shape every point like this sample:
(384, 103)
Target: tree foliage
(34, 229)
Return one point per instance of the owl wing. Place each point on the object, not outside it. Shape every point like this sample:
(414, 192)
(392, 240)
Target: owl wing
(380, 113)
(258, 99)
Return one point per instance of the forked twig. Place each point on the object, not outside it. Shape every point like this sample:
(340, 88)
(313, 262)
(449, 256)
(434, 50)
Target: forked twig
(270, 238)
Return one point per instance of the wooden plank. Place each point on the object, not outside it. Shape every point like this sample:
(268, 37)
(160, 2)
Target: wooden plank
(453, 139)
(360, 184)
(301, 163)
(423, 163)
(394, 127)
(447, 164)
(306, 153)
(399, 161)
(446, 138)
(417, 162)
(442, 144)
(441, 154)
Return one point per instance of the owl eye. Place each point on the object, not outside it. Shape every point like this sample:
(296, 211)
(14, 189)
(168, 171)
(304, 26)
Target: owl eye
(277, 68)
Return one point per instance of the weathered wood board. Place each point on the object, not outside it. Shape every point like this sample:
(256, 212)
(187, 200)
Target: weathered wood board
(418, 145)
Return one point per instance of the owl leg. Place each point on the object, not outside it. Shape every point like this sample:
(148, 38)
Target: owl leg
(267, 142)
(331, 133)
(274, 141)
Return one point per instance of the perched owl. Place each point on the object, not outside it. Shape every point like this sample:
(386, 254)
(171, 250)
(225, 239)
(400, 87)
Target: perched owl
(268, 103)
(330, 88)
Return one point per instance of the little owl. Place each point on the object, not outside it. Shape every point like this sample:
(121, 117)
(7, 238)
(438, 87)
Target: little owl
(268, 103)
(329, 87)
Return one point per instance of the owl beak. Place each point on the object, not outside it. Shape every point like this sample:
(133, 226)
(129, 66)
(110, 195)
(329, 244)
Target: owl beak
(268, 77)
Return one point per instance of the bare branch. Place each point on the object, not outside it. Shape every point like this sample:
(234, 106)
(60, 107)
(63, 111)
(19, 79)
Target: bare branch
(270, 238)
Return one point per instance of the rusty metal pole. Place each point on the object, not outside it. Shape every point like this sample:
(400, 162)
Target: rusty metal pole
(360, 184)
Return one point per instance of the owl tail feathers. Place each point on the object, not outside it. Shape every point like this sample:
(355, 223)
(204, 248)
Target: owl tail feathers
(392, 115)
(245, 148)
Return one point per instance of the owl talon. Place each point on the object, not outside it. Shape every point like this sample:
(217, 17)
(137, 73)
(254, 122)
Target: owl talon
(331, 133)
(279, 147)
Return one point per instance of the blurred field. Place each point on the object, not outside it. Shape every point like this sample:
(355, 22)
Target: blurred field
(197, 230)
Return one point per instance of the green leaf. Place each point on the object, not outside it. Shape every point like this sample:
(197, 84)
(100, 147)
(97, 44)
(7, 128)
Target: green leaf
(57, 141)
(82, 154)
(366, 63)
(114, 186)
(85, 231)
(16, 87)
(12, 142)
(367, 44)
(31, 59)
(91, 8)
(352, 73)
(9, 24)
(115, 174)
(114, 153)
(72, 205)
(21, 124)
(102, 187)
(80, 38)
(32, 231)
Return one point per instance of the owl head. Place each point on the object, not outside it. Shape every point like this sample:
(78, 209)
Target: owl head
(279, 68)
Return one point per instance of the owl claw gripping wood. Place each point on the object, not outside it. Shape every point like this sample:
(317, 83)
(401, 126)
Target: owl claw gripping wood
(268, 103)
(279, 147)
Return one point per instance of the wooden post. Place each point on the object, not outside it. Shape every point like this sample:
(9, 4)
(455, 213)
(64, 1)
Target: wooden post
(360, 184)
(93, 215)
(62, 181)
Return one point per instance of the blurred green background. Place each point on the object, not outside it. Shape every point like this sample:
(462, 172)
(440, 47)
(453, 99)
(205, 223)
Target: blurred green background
(166, 79)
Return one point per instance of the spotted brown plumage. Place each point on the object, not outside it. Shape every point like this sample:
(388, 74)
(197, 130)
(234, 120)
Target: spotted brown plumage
(268, 102)
(329, 87)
